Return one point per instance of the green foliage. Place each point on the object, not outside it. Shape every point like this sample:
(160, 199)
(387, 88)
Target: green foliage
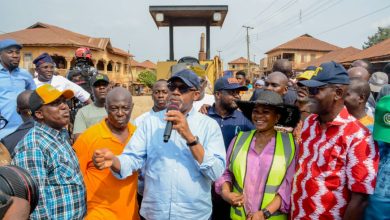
(380, 35)
(147, 77)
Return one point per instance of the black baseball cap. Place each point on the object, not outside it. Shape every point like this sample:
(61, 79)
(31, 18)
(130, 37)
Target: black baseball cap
(99, 77)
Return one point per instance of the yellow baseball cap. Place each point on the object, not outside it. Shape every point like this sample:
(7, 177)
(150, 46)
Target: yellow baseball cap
(47, 94)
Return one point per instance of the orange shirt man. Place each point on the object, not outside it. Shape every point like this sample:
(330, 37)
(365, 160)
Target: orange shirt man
(107, 196)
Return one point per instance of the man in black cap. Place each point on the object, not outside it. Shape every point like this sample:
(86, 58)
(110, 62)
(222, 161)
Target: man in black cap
(338, 161)
(179, 172)
(44, 66)
(13, 80)
(231, 121)
(224, 111)
(94, 112)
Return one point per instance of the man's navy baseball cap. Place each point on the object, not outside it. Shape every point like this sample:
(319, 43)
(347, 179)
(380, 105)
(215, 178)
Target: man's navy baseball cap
(228, 83)
(328, 73)
(9, 43)
(188, 77)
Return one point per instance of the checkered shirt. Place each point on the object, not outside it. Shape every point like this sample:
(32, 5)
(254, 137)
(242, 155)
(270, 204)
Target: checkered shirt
(48, 156)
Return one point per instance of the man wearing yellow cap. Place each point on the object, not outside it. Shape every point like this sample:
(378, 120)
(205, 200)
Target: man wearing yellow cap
(46, 153)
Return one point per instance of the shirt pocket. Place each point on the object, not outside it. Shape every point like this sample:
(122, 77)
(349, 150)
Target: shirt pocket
(18, 84)
(69, 171)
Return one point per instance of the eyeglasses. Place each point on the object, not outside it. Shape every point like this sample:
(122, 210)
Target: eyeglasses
(3, 122)
(316, 90)
(182, 88)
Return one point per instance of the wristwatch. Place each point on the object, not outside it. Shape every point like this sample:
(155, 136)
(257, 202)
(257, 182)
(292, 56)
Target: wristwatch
(195, 142)
(266, 213)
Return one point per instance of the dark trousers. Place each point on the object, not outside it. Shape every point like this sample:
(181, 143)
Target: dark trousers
(221, 209)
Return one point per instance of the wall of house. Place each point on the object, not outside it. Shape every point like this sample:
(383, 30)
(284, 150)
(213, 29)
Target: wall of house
(301, 58)
(115, 66)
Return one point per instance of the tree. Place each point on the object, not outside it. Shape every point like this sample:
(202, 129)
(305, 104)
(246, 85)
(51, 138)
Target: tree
(380, 35)
(147, 77)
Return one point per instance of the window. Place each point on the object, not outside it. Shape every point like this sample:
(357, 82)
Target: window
(118, 67)
(109, 67)
(312, 56)
(302, 58)
(27, 61)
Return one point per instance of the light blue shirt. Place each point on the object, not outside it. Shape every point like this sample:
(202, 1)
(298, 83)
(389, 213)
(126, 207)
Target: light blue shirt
(11, 84)
(176, 185)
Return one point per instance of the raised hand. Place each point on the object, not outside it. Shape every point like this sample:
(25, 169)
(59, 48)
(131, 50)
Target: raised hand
(103, 158)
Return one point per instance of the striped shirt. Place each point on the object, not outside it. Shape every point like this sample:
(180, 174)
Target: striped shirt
(45, 152)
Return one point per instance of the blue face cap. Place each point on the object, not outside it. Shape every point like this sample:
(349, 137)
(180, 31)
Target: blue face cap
(9, 43)
(188, 77)
(328, 73)
(228, 83)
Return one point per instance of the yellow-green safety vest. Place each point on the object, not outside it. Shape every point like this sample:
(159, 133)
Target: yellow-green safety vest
(283, 155)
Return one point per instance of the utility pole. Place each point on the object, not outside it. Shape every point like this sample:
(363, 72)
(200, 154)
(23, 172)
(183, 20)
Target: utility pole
(247, 48)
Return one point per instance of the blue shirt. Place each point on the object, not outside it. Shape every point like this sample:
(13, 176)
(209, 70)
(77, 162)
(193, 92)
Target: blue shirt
(11, 84)
(231, 125)
(176, 185)
(378, 206)
(46, 154)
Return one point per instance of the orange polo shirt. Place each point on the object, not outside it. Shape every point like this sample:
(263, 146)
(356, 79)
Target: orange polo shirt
(107, 196)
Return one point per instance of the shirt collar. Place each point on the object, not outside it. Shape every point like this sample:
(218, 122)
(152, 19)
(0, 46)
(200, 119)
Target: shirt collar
(27, 124)
(341, 118)
(3, 68)
(212, 111)
(54, 132)
(106, 132)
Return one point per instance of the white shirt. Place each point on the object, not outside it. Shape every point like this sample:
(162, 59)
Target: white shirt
(207, 99)
(61, 83)
(138, 121)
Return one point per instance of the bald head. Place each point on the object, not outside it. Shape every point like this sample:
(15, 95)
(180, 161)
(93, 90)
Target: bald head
(159, 83)
(360, 87)
(363, 63)
(356, 97)
(359, 72)
(119, 105)
(160, 95)
(119, 94)
(22, 101)
(23, 104)
(277, 82)
(284, 66)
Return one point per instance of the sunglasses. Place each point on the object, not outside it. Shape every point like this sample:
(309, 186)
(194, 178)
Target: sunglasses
(3, 122)
(182, 88)
(316, 90)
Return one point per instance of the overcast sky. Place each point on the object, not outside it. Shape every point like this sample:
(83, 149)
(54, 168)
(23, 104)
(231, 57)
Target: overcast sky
(130, 25)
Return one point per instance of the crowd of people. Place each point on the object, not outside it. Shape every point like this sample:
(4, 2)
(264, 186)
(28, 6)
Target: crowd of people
(309, 145)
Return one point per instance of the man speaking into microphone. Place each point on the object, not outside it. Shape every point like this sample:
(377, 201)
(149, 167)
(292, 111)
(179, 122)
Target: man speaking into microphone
(179, 172)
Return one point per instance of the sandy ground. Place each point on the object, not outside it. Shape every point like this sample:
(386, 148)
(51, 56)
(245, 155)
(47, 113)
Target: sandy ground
(144, 103)
(141, 104)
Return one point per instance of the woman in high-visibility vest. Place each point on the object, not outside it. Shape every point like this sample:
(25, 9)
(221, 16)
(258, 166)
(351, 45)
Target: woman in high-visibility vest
(261, 163)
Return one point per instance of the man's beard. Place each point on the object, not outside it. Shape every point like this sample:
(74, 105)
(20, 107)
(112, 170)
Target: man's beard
(229, 107)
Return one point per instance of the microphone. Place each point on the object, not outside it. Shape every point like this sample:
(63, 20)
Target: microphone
(168, 127)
